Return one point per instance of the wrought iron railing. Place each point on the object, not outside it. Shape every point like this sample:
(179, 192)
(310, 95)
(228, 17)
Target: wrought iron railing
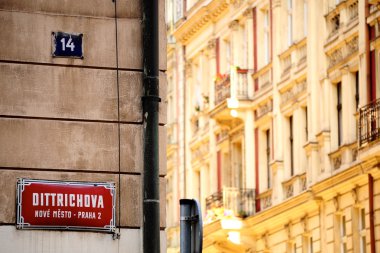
(231, 85)
(222, 89)
(369, 123)
(240, 201)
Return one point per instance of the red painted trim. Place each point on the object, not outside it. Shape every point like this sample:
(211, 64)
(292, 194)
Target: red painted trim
(217, 53)
(258, 208)
(219, 169)
(371, 214)
(242, 71)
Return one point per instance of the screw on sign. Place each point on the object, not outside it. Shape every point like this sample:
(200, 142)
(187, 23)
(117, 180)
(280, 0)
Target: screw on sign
(65, 205)
(67, 44)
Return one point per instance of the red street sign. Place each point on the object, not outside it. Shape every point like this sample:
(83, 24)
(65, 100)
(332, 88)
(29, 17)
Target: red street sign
(46, 204)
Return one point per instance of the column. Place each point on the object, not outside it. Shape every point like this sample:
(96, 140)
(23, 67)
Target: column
(235, 42)
(364, 76)
(187, 129)
(249, 53)
(249, 150)
(211, 52)
(349, 107)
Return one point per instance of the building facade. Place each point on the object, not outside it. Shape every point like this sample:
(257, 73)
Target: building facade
(75, 119)
(273, 123)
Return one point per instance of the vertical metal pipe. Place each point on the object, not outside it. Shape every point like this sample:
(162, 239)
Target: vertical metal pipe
(184, 122)
(151, 99)
(191, 226)
(185, 226)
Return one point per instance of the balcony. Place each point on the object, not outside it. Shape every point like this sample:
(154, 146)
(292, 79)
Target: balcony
(222, 88)
(231, 93)
(231, 85)
(232, 202)
(369, 123)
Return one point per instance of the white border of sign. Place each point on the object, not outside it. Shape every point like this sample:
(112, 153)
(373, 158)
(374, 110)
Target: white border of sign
(20, 224)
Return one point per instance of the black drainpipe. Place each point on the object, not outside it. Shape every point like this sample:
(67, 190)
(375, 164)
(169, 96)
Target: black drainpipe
(150, 101)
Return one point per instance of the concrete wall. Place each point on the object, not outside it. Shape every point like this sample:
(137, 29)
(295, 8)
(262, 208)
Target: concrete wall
(63, 118)
(13, 240)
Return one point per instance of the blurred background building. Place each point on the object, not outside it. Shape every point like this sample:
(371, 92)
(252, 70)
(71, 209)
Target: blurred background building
(274, 122)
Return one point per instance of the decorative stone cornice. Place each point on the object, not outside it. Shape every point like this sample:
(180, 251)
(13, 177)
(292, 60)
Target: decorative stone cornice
(305, 224)
(211, 45)
(200, 19)
(264, 109)
(236, 3)
(279, 214)
(248, 13)
(336, 202)
(293, 92)
(234, 25)
(342, 54)
(354, 193)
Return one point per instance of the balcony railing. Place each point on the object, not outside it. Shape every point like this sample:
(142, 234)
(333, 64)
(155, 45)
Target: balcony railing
(222, 89)
(240, 201)
(295, 185)
(369, 123)
(231, 85)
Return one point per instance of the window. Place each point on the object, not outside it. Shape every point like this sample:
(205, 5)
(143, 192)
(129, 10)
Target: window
(311, 250)
(292, 247)
(357, 90)
(359, 230)
(291, 146)
(340, 234)
(362, 231)
(266, 37)
(306, 125)
(269, 174)
(343, 235)
(339, 111)
(290, 22)
(179, 10)
(307, 244)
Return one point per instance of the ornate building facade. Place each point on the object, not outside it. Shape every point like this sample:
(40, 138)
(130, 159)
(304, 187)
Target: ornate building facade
(273, 123)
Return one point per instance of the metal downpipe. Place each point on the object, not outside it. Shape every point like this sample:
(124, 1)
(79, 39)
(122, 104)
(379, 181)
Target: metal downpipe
(150, 101)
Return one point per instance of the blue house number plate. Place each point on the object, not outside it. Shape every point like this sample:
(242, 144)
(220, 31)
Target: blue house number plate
(67, 45)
